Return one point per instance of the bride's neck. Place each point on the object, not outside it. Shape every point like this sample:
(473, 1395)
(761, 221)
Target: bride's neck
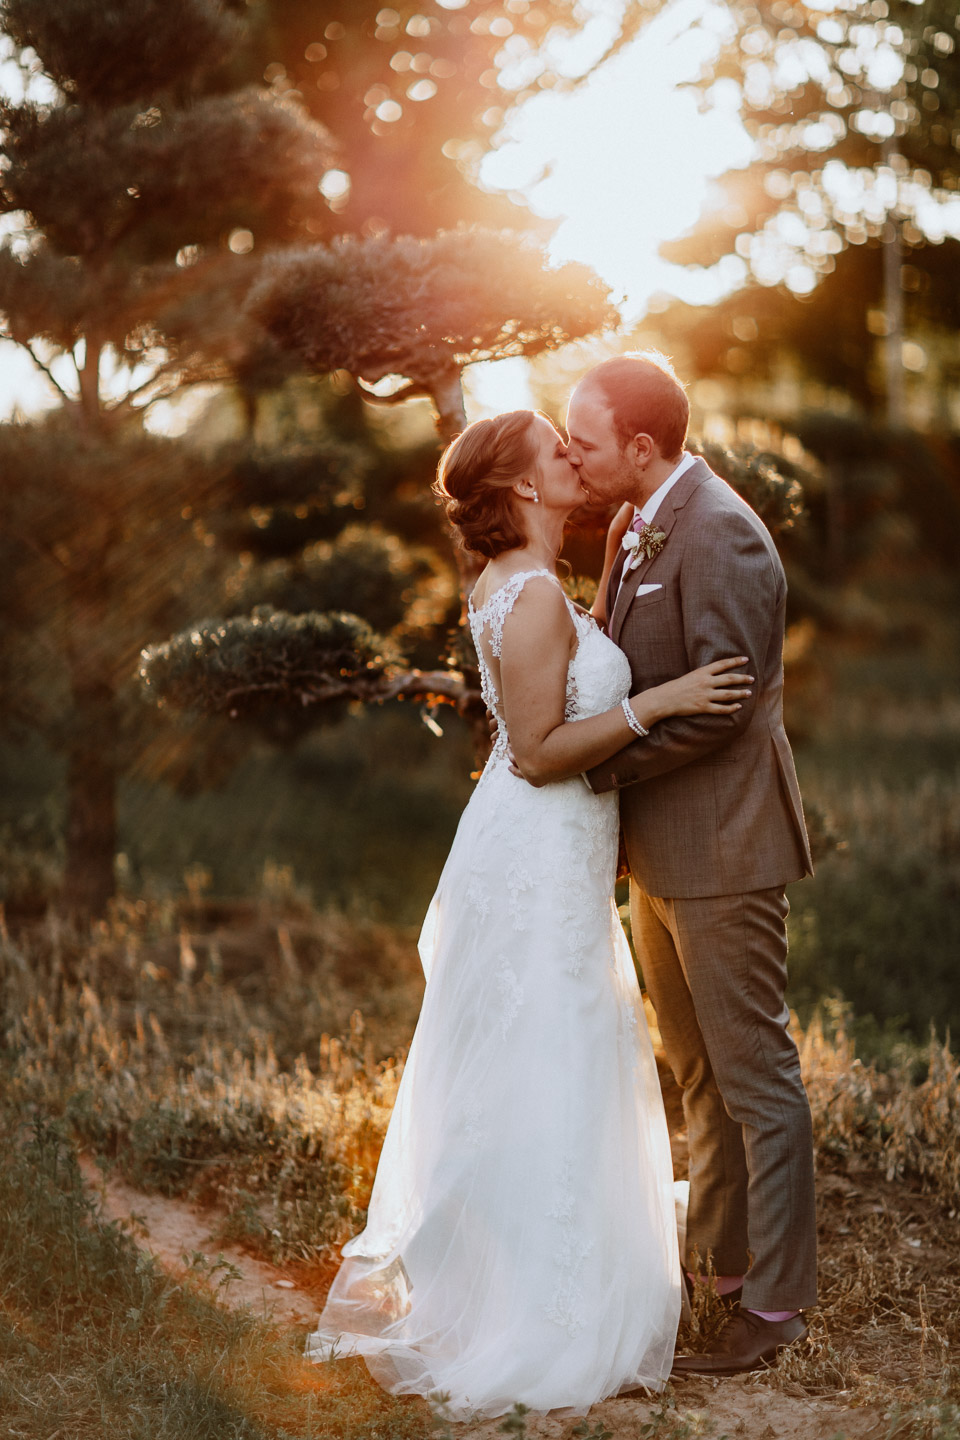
(534, 557)
(544, 541)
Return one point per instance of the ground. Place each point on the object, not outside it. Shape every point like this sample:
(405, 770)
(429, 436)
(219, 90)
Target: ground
(172, 1229)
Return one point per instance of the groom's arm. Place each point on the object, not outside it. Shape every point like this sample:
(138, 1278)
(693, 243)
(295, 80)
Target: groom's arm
(731, 590)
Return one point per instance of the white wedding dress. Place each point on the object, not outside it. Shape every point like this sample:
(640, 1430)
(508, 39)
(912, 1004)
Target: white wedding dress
(521, 1241)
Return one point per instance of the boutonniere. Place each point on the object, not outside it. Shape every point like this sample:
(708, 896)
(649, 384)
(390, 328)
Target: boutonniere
(642, 544)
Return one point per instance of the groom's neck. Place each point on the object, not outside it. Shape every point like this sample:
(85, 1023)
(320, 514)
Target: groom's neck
(651, 478)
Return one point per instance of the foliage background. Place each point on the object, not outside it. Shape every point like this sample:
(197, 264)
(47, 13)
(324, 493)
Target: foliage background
(283, 485)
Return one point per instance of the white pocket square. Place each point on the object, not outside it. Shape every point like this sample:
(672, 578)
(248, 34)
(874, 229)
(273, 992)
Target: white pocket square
(645, 590)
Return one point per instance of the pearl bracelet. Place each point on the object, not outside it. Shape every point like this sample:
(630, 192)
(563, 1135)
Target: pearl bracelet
(632, 720)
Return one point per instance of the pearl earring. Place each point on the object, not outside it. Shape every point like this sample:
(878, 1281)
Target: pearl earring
(536, 498)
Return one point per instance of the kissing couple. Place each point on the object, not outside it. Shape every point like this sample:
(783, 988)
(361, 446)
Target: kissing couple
(521, 1242)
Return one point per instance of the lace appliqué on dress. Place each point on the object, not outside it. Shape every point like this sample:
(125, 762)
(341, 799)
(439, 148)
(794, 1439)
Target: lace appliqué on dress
(572, 1250)
(511, 995)
(478, 898)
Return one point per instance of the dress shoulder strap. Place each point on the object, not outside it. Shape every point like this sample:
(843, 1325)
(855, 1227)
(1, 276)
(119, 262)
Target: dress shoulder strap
(502, 601)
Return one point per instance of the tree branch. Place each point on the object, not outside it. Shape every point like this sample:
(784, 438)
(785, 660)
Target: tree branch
(44, 551)
(70, 399)
(446, 687)
(406, 392)
(183, 380)
(126, 400)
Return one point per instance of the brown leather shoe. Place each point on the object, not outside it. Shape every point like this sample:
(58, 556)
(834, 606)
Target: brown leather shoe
(745, 1343)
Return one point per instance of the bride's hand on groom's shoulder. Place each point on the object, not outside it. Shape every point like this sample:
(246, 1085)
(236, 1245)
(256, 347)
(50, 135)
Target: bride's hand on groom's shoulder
(615, 532)
(710, 690)
(617, 528)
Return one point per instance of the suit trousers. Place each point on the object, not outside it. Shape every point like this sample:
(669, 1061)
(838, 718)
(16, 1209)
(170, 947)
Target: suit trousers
(715, 969)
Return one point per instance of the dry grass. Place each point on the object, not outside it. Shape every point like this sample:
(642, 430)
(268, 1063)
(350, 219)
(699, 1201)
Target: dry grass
(189, 1050)
(219, 1080)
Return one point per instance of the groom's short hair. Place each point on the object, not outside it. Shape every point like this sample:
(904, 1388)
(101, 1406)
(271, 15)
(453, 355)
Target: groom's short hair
(646, 398)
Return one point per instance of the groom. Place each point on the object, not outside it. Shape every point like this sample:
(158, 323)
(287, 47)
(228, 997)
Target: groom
(714, 830)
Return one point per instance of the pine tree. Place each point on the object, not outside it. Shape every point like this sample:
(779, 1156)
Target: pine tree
(128, 177)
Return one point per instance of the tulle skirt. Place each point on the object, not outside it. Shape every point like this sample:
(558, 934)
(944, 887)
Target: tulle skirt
(521, 1241)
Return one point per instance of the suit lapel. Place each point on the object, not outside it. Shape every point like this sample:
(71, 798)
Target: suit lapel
(665, 519)
(613, 584)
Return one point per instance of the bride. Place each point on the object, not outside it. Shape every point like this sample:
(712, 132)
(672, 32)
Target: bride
(521, 1240)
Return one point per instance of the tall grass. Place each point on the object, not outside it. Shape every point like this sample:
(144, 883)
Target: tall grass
(97, 1341)
(879, 925)
(259, 1088)
(189, 1077)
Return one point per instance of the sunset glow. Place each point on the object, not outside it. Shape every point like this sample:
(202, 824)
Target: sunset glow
(626, 161)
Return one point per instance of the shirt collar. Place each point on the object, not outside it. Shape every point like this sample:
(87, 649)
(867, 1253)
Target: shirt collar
(648, 510)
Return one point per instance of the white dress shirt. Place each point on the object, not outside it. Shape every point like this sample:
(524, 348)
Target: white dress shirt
(648, 511)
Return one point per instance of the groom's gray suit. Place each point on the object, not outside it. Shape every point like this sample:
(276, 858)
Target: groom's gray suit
(714, 830)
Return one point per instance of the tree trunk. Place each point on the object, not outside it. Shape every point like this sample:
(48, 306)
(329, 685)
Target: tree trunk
(91, 834)
(893, 306)
(91, 831)
(447, 392)
(88, 375)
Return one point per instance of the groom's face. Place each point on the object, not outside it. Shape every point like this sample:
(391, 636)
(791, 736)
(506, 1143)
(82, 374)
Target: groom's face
(605, 470)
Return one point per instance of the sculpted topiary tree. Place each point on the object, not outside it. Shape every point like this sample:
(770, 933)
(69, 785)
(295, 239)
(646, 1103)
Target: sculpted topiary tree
(421, 310)
(123, 180)
(417, 311)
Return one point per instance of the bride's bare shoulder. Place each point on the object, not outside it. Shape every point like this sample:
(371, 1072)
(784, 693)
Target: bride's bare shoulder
(537, 621)
(508, 584)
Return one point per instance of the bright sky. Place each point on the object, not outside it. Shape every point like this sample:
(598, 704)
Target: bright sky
(21, 384)
(627, 159)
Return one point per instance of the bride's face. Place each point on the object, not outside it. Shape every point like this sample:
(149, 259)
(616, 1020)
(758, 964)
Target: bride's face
(557, 482)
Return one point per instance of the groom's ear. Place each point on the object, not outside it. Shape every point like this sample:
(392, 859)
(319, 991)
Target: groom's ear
(642, 448)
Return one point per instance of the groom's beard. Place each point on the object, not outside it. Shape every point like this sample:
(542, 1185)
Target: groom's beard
(628, 484)
(624, 484)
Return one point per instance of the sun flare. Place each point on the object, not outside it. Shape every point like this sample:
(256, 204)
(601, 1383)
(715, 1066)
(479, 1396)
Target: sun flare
(625, 161)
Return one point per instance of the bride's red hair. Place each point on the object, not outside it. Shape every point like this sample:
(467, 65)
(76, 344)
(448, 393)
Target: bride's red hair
(476, 476)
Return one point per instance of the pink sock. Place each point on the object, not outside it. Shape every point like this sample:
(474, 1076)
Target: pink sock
(725, 1283)
(775, 1316)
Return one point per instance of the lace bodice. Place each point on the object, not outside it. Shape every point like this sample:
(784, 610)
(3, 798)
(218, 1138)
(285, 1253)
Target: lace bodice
(598, 676)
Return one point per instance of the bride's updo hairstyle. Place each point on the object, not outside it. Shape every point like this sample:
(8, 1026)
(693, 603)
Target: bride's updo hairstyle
(476, 477)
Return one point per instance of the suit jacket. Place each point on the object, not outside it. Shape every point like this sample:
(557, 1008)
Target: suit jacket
(709, 804)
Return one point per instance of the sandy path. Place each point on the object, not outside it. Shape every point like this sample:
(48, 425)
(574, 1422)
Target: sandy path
(173, 1229)
(737, 1408)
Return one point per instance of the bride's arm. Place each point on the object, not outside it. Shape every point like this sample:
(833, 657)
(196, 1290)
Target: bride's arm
(615, 534)
(538, 637)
